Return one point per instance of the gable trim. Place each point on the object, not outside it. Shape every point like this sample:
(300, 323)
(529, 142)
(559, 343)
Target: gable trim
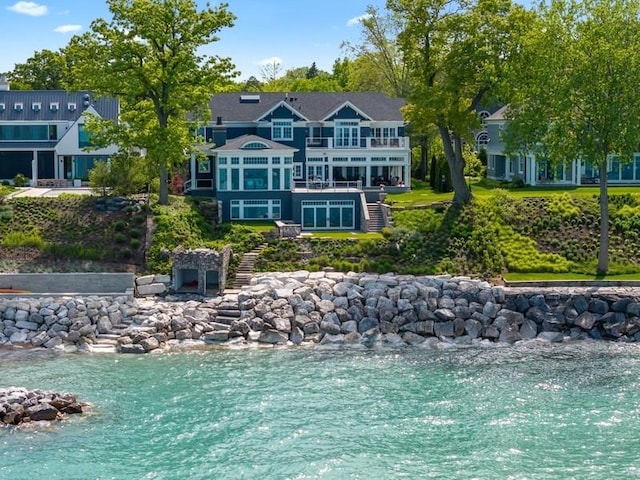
(278, 105)
(344, 105)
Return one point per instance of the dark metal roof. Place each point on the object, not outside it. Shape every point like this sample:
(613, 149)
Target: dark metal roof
(237, 143)
(107, 107)
(315, 106)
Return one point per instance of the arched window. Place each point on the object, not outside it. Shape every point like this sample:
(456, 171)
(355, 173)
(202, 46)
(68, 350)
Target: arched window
(482, 139)
(483, 114)
(254, 146)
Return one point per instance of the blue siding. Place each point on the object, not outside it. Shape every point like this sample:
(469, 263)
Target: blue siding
(346, 113)
(282, 112)
(495, 140)
(299, 142)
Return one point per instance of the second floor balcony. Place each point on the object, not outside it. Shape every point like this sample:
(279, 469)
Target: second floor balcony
(357, 143)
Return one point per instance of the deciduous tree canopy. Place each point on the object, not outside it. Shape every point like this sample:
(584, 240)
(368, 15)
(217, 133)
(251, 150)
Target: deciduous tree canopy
(457, 53)
(149, 55)
(575, 92)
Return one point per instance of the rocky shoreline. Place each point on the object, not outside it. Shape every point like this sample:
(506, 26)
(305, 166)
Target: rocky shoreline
(326, 308)
(21, 406)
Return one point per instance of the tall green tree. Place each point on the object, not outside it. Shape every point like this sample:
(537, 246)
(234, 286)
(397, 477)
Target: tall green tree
(298, 80)
(457, 53)
(576, 95)
(378, 63)
(45, 70)
(149, 55)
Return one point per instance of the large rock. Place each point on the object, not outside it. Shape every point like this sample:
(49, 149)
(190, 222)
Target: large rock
(444, 329)
(131, 348)
(150, 343)
(42, 411)
(273, 337)
(510, 334)
(151, 289)
(24, 324)
(528, 329)
(18, 337)
(553, 337)
(586, 320)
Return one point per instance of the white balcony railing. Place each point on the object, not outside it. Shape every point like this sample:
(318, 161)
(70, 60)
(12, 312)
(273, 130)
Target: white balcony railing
(327, 185)
(361, 143)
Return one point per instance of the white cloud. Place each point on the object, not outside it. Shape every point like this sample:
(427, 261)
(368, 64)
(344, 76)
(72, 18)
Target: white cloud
(67, 28)
(270, 61)
(29, 8)
(358, 20)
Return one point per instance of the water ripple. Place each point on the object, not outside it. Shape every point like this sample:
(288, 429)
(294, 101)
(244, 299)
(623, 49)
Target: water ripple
(534, 411)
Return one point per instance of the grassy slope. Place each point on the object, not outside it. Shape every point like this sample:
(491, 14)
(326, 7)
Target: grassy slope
(508, 234)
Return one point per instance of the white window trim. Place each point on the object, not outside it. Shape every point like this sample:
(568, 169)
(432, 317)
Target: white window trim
(279, 126)
(350, 126)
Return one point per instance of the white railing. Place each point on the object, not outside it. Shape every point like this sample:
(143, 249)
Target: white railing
(364, 142)
(329, 185)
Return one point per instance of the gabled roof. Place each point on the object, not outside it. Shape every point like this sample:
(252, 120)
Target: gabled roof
(499, 115)
(286, 105)
(315, 106)
(106, 107)
(350, 105)
(238, 143)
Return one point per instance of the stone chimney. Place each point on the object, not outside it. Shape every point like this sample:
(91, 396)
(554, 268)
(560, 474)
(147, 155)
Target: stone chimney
(4, 83)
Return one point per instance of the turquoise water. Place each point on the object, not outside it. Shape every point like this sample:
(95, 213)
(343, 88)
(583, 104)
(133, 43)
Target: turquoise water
(528, 411)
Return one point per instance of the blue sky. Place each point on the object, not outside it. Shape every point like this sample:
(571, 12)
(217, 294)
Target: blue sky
(296, 32)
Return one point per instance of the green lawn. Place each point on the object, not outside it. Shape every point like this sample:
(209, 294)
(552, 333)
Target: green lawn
(551, 277)
(421, 193)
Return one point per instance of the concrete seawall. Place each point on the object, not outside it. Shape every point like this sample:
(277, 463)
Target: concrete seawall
(68, 283)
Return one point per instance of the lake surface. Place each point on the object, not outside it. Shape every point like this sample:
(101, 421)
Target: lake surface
(530, 411)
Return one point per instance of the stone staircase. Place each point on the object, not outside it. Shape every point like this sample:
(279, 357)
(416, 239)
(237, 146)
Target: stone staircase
(376, 222)
(245, 269)
(228, 314)
(106, 342)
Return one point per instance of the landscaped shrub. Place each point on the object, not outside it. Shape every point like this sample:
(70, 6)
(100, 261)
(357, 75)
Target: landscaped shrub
(521, 254)
(119, 226)
(135, 243)
(627, 219)
(78, 252)
(21, 239)
(119, 238)
(20, 180)
(563, 205)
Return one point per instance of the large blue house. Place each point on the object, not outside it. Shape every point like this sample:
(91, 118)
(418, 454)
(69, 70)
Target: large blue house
(316, 159)
(42, 134)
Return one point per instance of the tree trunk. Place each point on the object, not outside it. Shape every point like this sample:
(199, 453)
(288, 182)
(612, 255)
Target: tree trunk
(424, 158)
(461, 192)
(163, 194)
(163, 197)
(603, 252)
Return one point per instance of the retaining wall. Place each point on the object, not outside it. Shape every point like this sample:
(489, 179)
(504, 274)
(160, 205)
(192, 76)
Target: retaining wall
(68, 283)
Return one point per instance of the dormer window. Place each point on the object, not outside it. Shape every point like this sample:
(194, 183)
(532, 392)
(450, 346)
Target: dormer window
(36, 106)
(282, 129)
(54, 106)
(18, 106)
(254, 146)
(71, 106)
(2, 107)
